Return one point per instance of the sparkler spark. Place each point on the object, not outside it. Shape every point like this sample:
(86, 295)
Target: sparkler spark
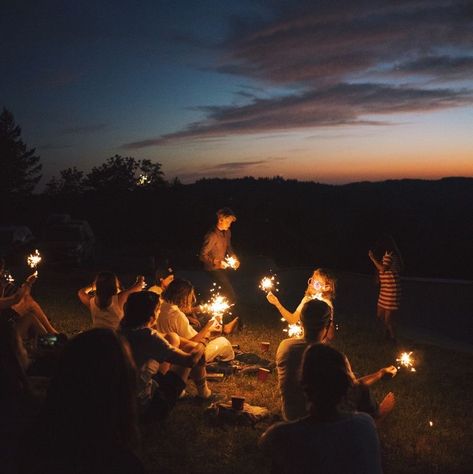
(231, 261)
(33, 260)
(9, 278)
(143, 180)
(268, 284)
(405, 360)
(294, 330)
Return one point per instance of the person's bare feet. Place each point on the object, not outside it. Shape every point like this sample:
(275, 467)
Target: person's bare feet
(386, 406)
(229, 327)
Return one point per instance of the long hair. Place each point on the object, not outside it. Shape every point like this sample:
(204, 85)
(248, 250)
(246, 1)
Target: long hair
(181, 293)
(326, 376)
(91, 399)
(106, 285)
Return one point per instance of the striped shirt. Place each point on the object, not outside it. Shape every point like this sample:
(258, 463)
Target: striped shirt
(390, 283)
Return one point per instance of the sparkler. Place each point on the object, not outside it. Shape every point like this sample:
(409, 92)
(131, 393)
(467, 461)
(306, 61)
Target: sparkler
(143, 180)
(405, 360)
(294, 330)
(9, 278)
(231, 261)
(33, 260)
(268, 284)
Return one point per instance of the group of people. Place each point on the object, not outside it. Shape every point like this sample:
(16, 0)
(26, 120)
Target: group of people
(144, 347)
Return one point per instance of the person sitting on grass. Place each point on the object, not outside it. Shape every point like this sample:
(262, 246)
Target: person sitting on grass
(179, 298)
(317, 321)
(321, 285)
(159, 387)
(88, 422)
(105, 300)
(17, 402)
(30, 319)
(328, 440)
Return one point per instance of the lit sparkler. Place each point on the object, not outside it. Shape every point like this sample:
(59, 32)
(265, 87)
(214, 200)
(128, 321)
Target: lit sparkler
(33, 260)
(295, 330)
(268, 284)
(231, 261)
(143, 180)
(405, 360)
(9, 278)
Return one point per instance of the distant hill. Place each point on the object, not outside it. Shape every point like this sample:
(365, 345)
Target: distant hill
(292, 221)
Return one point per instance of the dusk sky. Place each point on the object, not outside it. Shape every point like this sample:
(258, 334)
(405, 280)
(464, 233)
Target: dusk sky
(332, 91)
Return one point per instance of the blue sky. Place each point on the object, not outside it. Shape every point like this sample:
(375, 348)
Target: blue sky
(334, 91)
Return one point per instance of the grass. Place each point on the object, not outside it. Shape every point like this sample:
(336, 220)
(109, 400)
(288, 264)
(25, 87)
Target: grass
(440, 391)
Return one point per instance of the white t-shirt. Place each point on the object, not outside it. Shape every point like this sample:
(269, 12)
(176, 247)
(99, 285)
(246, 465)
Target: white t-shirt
(349, 446)
(172, 319)
(109, 317)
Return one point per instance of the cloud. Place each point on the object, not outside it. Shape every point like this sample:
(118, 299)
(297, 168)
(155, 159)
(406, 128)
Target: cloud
(84, 129)
(341, 104)
(227, 170)
(340, 63)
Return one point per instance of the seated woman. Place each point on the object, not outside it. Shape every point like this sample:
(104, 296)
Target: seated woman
(321, 285)
(30, 319)
(328, 440)
(159, 389)
(88, 421)
(178, 299)
(105, 300)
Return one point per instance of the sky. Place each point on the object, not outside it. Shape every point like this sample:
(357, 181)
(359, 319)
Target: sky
(331, 91)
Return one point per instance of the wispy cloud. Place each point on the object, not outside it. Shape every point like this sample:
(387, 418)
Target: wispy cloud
(345, 60)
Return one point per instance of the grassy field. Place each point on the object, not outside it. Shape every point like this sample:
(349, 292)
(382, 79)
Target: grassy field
(439, 391)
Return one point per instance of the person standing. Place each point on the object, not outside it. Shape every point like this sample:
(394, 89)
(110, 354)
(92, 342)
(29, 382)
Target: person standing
(216, 250)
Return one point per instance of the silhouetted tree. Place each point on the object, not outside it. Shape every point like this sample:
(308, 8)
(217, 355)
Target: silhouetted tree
(71, 182)
(125, 173)
(20, 167)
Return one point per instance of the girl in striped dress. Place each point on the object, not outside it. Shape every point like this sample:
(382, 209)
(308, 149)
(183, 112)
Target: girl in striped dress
(389, 289)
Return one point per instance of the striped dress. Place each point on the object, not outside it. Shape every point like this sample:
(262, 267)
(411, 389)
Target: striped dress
(390, 283)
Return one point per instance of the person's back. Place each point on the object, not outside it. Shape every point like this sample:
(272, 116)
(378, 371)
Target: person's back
(288, 364)
(109, 317)
(348, 445)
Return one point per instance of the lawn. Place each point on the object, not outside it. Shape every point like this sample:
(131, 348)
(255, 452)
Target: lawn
(440, 391)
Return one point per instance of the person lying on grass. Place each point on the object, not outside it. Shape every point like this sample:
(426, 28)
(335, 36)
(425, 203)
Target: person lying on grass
(159, 384)
(317, 321)
(20, 306)
(320, 285)
(328, 440)
(179, 298)
(105, 299)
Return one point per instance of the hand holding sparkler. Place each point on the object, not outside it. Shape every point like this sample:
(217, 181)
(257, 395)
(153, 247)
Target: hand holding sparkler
(33, 260)
(405, 360)
(391, 370)
(231, 261)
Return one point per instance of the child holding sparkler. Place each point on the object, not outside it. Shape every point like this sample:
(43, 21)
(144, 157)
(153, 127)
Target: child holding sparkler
(389, 269)
(321, 285)
(217, 253)
(105, 300)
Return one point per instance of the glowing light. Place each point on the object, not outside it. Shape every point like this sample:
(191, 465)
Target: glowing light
(217, 305)
(231, 261)
(294, 330)
(9, 278)
(143, 180)
(268, 284)
(431, 423)
(405, 360)
(33, 260)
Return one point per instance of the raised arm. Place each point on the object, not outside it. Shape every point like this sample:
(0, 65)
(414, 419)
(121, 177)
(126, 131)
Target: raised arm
(137, 286)
(291, 318)
(84, 294)
(376, 263)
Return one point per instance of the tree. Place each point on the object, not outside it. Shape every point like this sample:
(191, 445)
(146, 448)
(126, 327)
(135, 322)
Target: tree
(71, 182)
(125, 173)
(20, 167)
